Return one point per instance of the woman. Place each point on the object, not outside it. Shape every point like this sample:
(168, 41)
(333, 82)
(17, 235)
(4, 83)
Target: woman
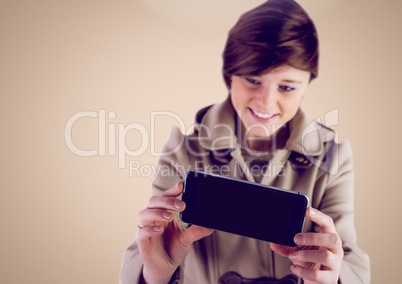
(259, 134)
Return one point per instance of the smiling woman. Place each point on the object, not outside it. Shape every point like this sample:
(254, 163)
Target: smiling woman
(266, 103)
(270, 57)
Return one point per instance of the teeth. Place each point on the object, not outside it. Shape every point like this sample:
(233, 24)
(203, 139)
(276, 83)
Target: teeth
(262, 115)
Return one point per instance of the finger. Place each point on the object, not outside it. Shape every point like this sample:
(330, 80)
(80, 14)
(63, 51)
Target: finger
(324, 221)
(194, 233)
(154, 217)
(305, 264)
(144, 235)
(174, 191)
(282, 250)
(307, 257)
(167, 203)
(331, 241)
(314, 275)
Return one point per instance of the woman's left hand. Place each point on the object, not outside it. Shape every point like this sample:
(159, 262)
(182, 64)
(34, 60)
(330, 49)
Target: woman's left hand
(319, 257)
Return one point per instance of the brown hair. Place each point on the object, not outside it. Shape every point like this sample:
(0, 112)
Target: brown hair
(275, 33)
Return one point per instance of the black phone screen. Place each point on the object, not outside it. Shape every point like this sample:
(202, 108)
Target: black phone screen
(240, 207)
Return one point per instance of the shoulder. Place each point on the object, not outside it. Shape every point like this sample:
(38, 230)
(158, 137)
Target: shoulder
(313, 143)
(308, 136)
(341, 158)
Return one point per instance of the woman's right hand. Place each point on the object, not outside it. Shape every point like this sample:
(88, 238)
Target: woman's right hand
(163, 245)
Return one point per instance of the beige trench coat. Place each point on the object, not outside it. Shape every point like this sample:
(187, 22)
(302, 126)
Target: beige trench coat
(311, 163)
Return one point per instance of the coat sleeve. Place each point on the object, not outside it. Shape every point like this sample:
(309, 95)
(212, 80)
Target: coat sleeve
(171, 168)
(338, 202)
(131, 268)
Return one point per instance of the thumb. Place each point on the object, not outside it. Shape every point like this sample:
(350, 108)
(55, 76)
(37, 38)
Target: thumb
(194, 233)
(174, 191)
(282, 250)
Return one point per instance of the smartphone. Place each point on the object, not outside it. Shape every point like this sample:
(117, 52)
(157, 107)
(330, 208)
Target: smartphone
(240, 207)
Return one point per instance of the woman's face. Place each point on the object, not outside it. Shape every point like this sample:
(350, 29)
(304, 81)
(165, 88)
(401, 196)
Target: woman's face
(266, 102)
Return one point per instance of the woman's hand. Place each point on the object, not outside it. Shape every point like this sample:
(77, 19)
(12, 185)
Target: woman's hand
(163, 245)
(319, 257)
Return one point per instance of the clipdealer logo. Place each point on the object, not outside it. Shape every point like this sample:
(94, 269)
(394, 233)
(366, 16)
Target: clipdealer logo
(112, 138)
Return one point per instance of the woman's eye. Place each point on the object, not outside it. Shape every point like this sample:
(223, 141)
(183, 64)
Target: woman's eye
(253, 81)
(285, 88)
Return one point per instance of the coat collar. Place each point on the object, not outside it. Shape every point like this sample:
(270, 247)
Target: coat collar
(216, 126)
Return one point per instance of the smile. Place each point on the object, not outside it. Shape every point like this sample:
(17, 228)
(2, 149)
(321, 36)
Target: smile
(262, 115)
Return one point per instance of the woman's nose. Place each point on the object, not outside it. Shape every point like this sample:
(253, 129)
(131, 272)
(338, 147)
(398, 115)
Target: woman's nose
(268, 95)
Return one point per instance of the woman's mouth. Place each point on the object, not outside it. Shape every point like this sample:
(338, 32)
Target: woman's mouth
(260, 116)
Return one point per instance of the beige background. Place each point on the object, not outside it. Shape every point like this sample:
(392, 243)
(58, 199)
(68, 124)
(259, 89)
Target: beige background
(67, 218)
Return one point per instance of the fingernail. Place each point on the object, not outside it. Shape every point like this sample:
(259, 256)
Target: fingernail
(156, 228)
(313, 212)
(178, 185)
(299, 239)
(293, 256)
(166, 215)
(178, 204)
